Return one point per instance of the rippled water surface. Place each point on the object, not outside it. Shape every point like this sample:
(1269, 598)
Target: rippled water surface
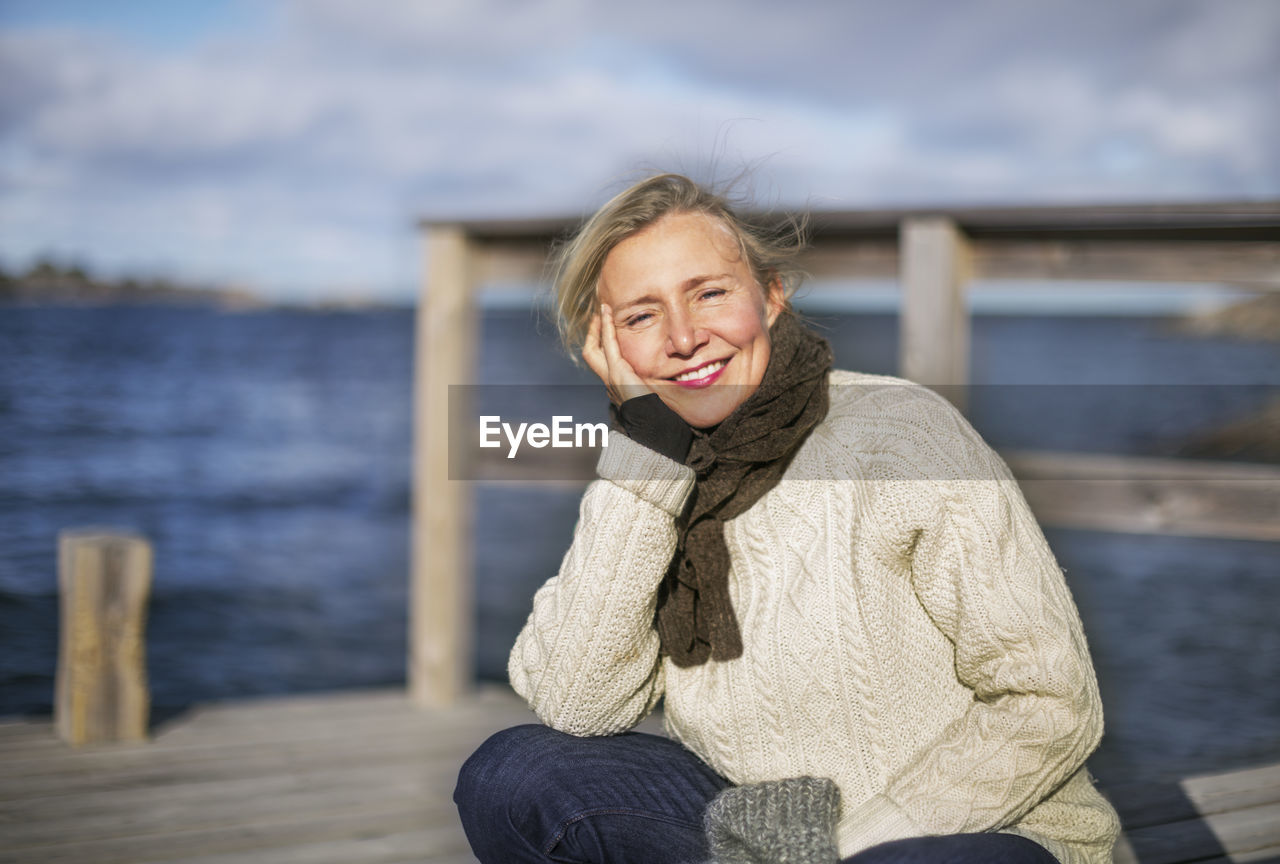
(266, 456)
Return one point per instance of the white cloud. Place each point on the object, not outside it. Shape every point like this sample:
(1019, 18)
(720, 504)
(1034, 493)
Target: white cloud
(298, 157)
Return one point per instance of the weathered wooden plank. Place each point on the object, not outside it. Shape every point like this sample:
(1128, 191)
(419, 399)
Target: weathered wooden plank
(21, 728)
(874, 258)
(1234, 790)
(1260, 856)
(1233, 218)
(198, 731)
(1124, 854)
(439, 844)
(1232, 832)
(286, 830)
(253, 738)
(403, 715)
(185, 806)
(357, 701)
(18, 733)
(293, 727)
(1151, 496)
(1246, 264)
(48, 770)
(1230, 242)
(321, 736)
(1269, 855)
(1142, 804)
(1097, 492)
(37, 737)
(423, 753)
(336, 711)
(1236, 812)
(23, 776)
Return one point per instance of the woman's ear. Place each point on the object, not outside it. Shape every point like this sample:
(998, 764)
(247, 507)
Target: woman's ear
(775, 300)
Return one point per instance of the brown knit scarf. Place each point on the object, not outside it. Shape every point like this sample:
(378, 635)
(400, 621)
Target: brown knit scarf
(737, 462)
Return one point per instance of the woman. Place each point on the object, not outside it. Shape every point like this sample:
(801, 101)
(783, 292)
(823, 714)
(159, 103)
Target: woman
(866, 649)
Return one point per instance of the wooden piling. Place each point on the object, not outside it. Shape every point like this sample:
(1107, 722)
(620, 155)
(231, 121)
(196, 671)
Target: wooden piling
(440, 604)
(934, 270)
(101, 694)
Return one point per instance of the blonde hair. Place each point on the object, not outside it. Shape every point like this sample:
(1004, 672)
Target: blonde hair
(770, 248)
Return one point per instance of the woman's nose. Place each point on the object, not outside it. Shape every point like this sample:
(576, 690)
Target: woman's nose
(683, 337)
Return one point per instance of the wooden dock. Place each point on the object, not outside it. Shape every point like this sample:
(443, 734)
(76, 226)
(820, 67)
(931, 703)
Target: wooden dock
(348, 777)
(366, 778)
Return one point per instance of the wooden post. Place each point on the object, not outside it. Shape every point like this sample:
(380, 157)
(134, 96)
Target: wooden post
(101, 690)
(440, 595)
(934, 268)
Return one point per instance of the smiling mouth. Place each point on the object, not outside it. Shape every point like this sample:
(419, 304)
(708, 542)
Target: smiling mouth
(701, 376)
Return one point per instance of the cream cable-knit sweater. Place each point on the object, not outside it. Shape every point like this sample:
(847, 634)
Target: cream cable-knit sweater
(907, 631)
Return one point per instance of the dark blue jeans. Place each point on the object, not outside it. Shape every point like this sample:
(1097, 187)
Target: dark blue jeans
(532, 795)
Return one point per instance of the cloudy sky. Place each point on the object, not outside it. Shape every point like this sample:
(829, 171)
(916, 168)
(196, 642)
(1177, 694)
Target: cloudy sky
(289, 146)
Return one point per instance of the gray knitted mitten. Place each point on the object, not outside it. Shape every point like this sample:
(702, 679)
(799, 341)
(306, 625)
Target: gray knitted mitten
(779, 822)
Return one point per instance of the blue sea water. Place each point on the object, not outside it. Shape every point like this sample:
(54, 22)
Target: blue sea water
(266, 455)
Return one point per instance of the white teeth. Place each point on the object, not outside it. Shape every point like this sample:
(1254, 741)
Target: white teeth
(699, 374)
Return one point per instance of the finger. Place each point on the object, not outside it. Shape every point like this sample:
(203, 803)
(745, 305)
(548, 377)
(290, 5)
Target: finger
(611, 356)
(593, 353)
(619, 368)
(623, 380)
(592, 342)
(609, 337)
(593, 329)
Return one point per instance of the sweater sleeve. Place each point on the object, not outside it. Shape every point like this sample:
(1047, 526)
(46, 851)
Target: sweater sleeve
(587, 659)
(649, 421)
(985, 575)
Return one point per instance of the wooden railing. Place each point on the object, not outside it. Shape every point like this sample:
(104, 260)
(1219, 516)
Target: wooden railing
(933, 254)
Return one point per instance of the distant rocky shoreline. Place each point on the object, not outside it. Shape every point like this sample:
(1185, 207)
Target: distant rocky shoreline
(70, 285)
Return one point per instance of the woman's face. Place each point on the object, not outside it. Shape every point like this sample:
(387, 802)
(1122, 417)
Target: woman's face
(690, 318)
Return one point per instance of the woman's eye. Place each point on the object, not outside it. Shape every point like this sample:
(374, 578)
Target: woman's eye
(712, 292)
(638, 319)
